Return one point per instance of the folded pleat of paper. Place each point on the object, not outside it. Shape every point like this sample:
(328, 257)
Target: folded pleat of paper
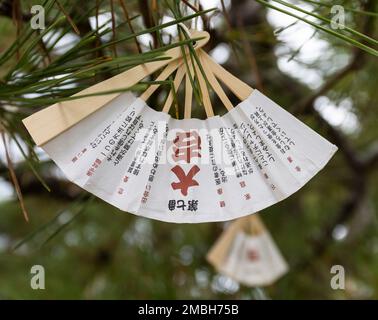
(188, 171)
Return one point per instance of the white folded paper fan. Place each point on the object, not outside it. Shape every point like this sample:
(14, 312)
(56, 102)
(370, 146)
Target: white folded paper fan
(185, 171)
(247, 253)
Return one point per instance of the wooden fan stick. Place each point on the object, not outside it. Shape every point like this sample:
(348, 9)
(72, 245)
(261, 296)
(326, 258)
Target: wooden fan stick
(188, 93)
(205, 93)
(238, 87)
(171, 67)
(214, 82)
(251, 224)
(256, 226)
(50, 122)
(176, 84)
(217, 255)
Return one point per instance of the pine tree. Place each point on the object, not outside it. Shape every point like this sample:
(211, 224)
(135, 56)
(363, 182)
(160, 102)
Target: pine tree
(97, 254)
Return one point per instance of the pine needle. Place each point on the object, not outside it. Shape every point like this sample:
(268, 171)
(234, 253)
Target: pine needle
(69, 19)
(13, 176)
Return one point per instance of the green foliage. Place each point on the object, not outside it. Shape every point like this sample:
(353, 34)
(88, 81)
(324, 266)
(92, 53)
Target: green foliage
(92, 250)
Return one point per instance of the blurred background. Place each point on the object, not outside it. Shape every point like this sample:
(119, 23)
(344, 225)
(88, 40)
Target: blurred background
(325, 75)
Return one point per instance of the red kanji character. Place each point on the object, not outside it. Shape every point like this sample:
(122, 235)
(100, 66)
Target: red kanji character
(90, 172)
(185, 181)
(220, 191)
(247, 196)
(253, 255)
(242, 184)
(125, 178)
(187, 145)
(290, 159)
(222, 204)
(298, 168)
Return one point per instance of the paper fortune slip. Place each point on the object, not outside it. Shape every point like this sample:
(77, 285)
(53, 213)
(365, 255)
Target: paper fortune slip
(247, 253)
(187, 171)
(146, 162)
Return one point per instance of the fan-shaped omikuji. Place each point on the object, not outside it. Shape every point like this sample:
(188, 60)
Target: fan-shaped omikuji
(190, 170)
(247, 253)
